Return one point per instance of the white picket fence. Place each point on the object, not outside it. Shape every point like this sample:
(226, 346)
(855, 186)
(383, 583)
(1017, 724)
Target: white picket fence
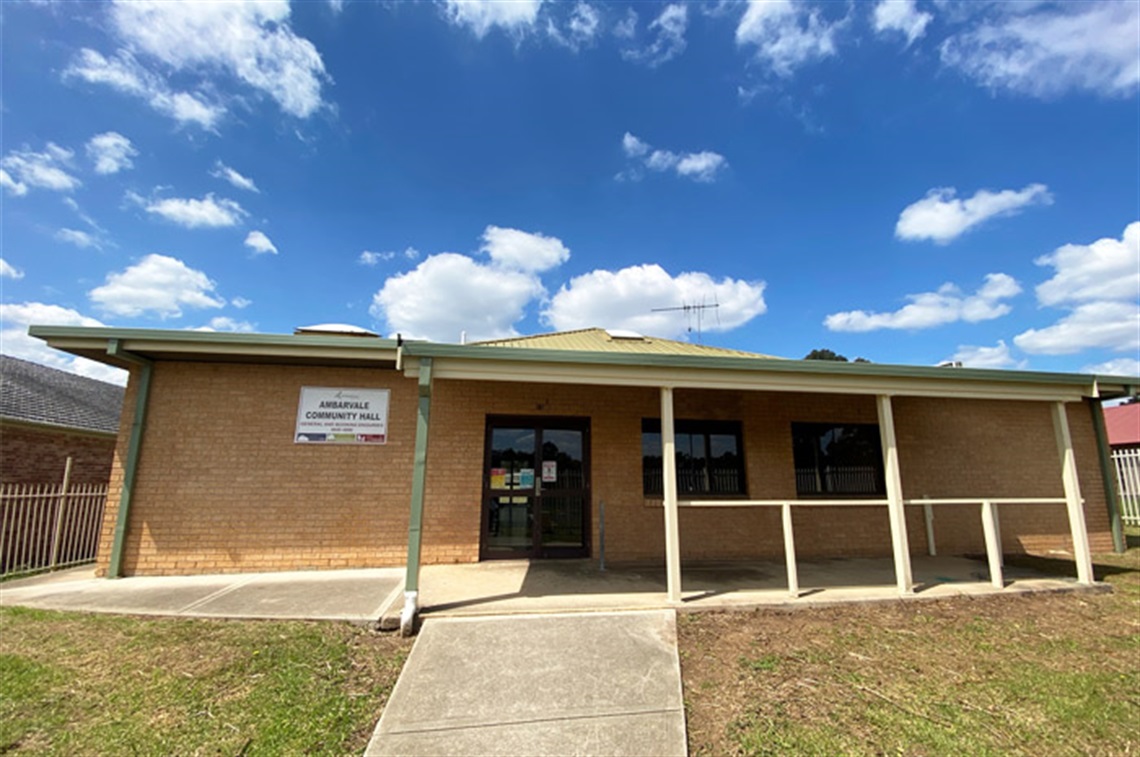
(1127, 462)
(49, 526)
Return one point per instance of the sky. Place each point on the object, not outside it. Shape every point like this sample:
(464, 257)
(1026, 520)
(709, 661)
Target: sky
(907, 181)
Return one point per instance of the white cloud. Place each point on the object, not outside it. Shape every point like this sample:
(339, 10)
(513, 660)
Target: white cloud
(251, 41)
(997, 356)
(111, 152)
(124, 74)
(523, 251)
(1106, 324)
(669, 42)
(16, 188)
(930, 309)
(1121, 366)
(241, 302)
(43, 170)
(336, 6)
(942, 217)
(1107, 269)
(80, 239)
(206, 212)
(9, 271)
(581, 29)
(14, 321)
(259, 243)
(625, 299)
(702, 166)
(450, 293)
(901, 16)
(633, 147)
(411, 253)
(1046, 52)
(515, 17)
(627, 27)
(786, 34)
(1099, 284)
(224, 172)
(225, 323)
(369, 258)
(158, 285)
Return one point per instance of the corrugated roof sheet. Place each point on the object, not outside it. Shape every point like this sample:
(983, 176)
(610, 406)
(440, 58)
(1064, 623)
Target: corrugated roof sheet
(36, 393)
(599, 340)
(1122, 424)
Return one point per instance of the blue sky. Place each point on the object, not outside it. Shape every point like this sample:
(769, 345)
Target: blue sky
(910, 182)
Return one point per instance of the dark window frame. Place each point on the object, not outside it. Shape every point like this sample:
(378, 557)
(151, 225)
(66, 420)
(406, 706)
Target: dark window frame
(652, 472)
(820, 472)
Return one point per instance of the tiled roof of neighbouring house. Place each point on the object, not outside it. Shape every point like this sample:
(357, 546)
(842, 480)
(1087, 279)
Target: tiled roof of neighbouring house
(36, 393)
(1122, 424)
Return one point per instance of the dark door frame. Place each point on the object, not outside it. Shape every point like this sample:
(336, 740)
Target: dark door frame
(539, 423)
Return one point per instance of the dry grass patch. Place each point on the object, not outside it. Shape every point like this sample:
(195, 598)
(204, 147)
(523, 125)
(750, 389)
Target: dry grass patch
(1017, 674)
(73, 684)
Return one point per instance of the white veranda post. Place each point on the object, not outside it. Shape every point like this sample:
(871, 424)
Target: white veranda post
(669, 471)
(1073, 495)
(899, 543)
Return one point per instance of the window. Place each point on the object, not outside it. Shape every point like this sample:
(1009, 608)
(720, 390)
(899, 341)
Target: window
(710, 458)
(838, 459)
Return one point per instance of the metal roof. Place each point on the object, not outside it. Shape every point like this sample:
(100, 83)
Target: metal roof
(600, 340)
(38, 394)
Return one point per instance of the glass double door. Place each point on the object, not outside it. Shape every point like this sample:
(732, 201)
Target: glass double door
(536, 488)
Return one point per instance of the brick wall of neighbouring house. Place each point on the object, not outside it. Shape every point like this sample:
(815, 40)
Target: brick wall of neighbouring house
(948, 448)
(38, 455)
(221, 486)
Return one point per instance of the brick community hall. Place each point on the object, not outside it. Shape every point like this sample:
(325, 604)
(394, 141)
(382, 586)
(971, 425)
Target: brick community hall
(334, 448)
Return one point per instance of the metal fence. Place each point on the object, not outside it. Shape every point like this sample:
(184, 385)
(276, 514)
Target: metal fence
(1127, 463)
(49, 526)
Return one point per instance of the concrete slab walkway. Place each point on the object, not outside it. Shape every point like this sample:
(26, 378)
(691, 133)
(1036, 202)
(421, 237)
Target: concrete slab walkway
(580, 684)
(358, 596)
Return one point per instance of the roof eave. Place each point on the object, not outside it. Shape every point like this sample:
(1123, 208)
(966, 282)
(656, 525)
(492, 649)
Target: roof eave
(93, 343)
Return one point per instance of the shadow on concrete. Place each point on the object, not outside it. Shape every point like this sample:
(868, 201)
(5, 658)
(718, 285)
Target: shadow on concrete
(575, 585)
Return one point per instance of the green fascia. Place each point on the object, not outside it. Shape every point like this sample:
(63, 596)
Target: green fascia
(1108, 474)
(138, 424)
(766, 365)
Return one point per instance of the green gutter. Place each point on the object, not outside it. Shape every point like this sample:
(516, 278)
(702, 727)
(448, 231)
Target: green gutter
(416, 517)
(1108, 472)
(138, 423)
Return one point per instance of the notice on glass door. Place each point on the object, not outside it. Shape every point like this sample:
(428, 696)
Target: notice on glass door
(549, 471)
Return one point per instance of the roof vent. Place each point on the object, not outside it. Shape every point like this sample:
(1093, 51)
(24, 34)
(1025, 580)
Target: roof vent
(624, 334)
(950, 364)
(334, 329)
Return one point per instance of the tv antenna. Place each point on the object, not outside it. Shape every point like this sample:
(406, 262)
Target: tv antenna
(691, 311)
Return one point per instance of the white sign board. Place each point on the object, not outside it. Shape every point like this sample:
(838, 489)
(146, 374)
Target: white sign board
(342, 416)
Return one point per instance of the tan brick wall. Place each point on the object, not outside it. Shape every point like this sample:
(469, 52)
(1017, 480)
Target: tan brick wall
(948, 448)
(221, 487)
(31, 455)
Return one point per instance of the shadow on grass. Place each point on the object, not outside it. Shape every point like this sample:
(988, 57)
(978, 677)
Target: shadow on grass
(1061, 566)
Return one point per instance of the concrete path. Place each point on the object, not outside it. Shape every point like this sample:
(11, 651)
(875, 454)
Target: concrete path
(358, 596)
(577, 684)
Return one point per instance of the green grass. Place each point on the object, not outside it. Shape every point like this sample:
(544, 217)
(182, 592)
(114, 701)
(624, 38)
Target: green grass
(1008, 675)
(73, 684)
